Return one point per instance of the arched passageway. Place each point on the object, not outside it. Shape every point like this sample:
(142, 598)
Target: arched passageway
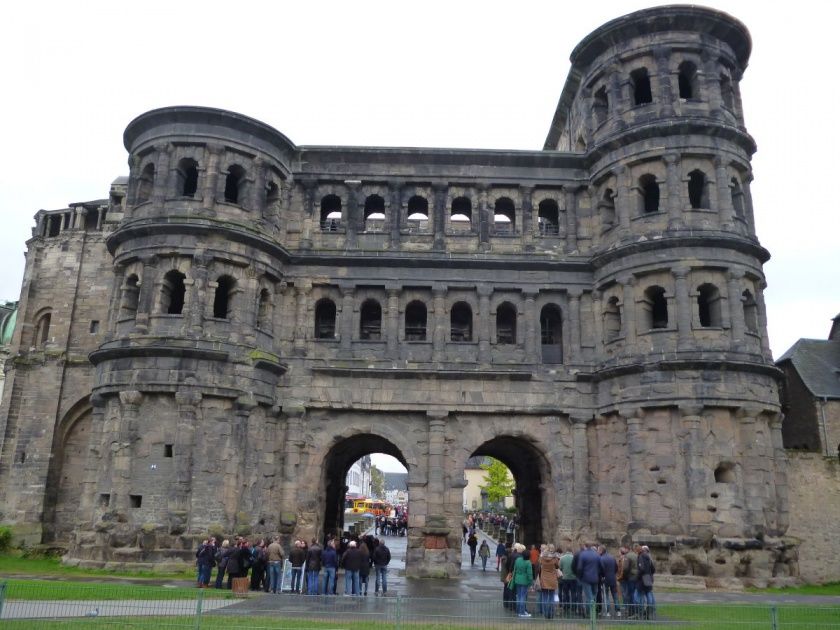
(336, 465)
(530, 472)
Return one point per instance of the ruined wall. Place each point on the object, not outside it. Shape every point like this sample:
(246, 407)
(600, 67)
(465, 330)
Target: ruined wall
(815, 514)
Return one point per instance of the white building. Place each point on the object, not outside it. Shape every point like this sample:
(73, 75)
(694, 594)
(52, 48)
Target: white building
(358, 478)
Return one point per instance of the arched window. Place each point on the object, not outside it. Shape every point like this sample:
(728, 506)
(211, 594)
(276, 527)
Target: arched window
(173, 291)
(42, 329)
(725, 473)
(708, 306)
(580, 145)
(235, 184)
(657, 307)
(649, 189)
(688, 81)
(460, 216)
(750, 311)
(506, 324)
(374, 214)
(642, 94)
(548, 217)
(606, 208)
(600, 106)
(737, 197)
(330, 213)
(146, 183)
(504, 216)
(698, 194)
(415, 321)
(187, 176)
(612, 319)
(460, 322)
(91, 220)
(53, 225)
(370, 321)
(130, 297)
(551, 334)
(264, 310)
(418, 214)
(325, 319)
(223, 298)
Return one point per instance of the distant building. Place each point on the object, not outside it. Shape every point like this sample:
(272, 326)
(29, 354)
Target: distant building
(811, 395)
(396, 487)
(358, 478)
(474, 499)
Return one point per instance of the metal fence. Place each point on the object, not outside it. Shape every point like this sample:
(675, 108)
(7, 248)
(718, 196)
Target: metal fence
(33, 604)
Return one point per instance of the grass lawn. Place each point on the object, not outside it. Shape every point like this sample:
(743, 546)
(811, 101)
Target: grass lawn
(832, 588)
(52, 590)
(16, 564)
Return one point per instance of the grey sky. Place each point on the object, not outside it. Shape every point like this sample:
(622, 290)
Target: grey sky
(458, 74)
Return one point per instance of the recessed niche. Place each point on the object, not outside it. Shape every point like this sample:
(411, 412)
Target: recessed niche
(715, 495)
(135, 500)
(654, 469)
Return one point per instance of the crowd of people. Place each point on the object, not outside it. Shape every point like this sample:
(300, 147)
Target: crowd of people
(264, 561)
(391, 526)
(575, 581)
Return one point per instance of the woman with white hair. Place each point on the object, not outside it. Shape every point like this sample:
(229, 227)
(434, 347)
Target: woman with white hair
(523, 577)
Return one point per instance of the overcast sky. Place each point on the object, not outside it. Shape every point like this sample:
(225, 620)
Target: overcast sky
(446, 74)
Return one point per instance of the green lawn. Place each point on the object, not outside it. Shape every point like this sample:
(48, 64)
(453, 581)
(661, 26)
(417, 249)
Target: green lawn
(832, 588)
(53, 590)
(17, 564)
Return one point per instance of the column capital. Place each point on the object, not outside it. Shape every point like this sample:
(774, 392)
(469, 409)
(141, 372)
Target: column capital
(680, 272)
(188, 398)
(131, 398)
(671, 159)
(691, 411)
(574, 293)
(734, 273)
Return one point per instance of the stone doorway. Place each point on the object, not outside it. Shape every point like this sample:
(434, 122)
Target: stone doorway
(336, 465)
(531, 474)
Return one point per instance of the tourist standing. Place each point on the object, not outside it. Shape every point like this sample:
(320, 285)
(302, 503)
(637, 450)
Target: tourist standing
(313, 567)
(205, 558)
(609, 570)
(501, 552)
(381, 559)
(297, 556)
(568, 582)
(351, 560)
(523, 577)
(549, 574)
(275, 565)
(484, 554)
(222, 556)
(644, 585)
(588, 571)
(329, 562)
(472, 543)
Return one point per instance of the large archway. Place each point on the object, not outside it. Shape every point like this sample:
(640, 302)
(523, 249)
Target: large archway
(530, 471)
(337, 463)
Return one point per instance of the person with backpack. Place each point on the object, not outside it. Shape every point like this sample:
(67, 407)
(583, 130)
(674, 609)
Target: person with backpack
(381, 559)
(205, 561)
(644, 585)
(501, 552)
(629, 577)
(472, 543)
(484, 554)
(259, 562)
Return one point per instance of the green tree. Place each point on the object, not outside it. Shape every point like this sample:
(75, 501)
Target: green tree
(498, 482)
(377, 483)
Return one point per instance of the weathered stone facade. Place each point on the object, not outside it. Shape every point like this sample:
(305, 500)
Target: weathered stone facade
(591, 314)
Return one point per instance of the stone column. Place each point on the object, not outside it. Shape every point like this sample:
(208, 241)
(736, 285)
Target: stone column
(754, 484)
(674, 185)
(532, 345)
(439, 335)
(636, 450)
(748, 204)
(571, 220)
(438, 216)
(95, 453)
(211, 176)
(188, 402)
(160, 188)
(528, 220)
(392, 328)
(736, 93)
(762, 320)
(346, 331)
(485, 221)
(122, 449)
(618, 97)
(256, 198)
(574, 326)
(662, 55)
(724, 195)
(198, 303)
(244, 458)
(310, 214)
(696, 473)
(598, 315)
(629, 319)
(435, 488)
(133, 180)
(681, 294)
(736, 309)
(145, 300)
(302, 323)
(292, 447)
(484, 324)
(580, 449)
(395, 214)
(710, 87)
(779, 474)
(622, 200)
(353, 217)
(79, 217)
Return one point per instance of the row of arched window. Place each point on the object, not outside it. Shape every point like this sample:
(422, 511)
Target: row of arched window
(641, 92)
(461, 214)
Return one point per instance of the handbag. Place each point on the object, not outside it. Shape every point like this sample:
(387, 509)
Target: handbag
(647, 580)
(509, 577)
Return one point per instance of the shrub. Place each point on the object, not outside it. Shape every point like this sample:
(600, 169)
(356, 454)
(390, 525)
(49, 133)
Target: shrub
(5, 538)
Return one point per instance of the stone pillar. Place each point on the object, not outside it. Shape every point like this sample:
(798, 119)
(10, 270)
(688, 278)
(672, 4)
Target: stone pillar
(528, 219)
(346, 329)
(574, 326)
(292, 447)
(598, 315)
(302, 323)
(439, 335)
(724, 194)
(754, 483)
(160, 188)
(145, 301)
(736, 93)
(133, 180)
(79, 217)
(485, 222)
(622, 200)
(122, 450)
(198, 303)
(256, 197)
(681, 294)
(571, 220)
(188, 402)
(395, 215)
(435, 488)
(392, 328)
(532, 346)
(439, 216)
(310, 214)
(629, 319)
(779, 474)
(484, 324)
(736, 309)
(636, 450)
(211, 176)
(666, 99)
(353, 217)
(762, 320)
(748, 204)
(710, 87)
(696, 471)
(674, 186)
(618, 97)
(580, 450)
(94, 454)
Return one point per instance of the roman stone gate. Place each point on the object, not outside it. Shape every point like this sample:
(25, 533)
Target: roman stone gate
(243, 317)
